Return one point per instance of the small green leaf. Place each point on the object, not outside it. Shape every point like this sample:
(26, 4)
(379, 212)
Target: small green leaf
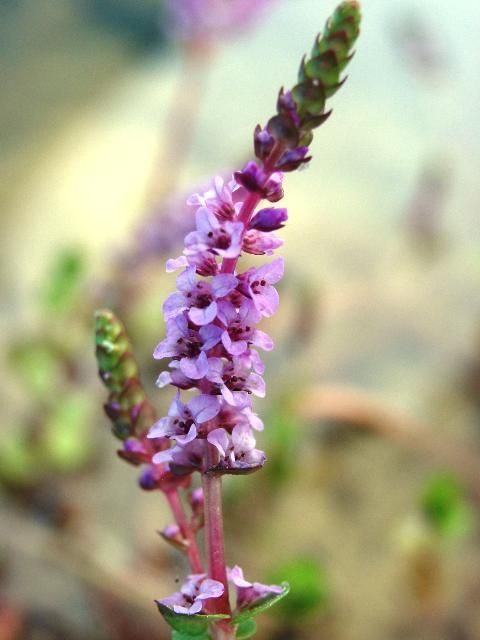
(246, 629)
(194, 626)
(262, 605)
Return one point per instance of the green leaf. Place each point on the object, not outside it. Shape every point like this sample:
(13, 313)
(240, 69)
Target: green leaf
(194, 626)
(246, 629)
(262, 605)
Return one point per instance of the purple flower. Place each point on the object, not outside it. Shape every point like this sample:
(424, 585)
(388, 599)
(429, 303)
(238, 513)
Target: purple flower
(222, 238)
(199, 297)
(183, 420)
(188, 345)
(257, 284)
(237, 451)
(223, 199)
(253, 178)
(231, 415)
(248, 593)
(240, 331)
(183, 459)
(204, 263)
(260, 243)
(235, 381)
(269, 219)
(194, 591)
(175, 378)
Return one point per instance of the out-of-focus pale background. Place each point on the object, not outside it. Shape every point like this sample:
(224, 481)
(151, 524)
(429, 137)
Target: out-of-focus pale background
(378, 334)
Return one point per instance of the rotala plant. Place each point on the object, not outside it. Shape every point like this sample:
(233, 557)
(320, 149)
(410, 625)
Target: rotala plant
(211, 343)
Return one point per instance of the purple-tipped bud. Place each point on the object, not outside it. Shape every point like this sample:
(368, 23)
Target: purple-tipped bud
(196, 500)
(148, 479)
(263, 142)
(269, 219)
(254, 179)
(172, 534)
(286, 104)
(293, 158)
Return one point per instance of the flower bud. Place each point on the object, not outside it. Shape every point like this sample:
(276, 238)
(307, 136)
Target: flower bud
(269, 219)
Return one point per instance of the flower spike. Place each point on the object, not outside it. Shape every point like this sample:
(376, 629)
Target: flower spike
(303, 108)
(127, 406)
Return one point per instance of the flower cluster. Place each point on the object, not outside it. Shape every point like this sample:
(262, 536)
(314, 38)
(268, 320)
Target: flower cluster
(197, 588)
(212, 337)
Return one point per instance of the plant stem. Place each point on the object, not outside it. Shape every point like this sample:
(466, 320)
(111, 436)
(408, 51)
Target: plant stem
(214, 540)
(192, 551)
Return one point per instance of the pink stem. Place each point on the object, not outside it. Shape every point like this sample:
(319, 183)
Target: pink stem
(192, 551)
(214, 539)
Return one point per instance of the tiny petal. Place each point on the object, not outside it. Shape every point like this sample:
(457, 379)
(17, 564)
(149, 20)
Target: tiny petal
(210, 589)
(204, 316)
(176, 263)
(194, 368)
(235, 575)
(204, 407)
(219, 439)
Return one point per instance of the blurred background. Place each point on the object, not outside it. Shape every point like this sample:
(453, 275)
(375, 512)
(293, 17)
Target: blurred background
(112, 113)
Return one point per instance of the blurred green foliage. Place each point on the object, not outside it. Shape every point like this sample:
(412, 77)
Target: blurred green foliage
(445, 506)
(37, 365)
(309, 587)
(67, 438)
(64, 281)
(282, 431)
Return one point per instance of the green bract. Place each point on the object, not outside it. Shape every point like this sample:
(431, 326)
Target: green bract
(188, 626)
(246, 629)
(318, 78)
